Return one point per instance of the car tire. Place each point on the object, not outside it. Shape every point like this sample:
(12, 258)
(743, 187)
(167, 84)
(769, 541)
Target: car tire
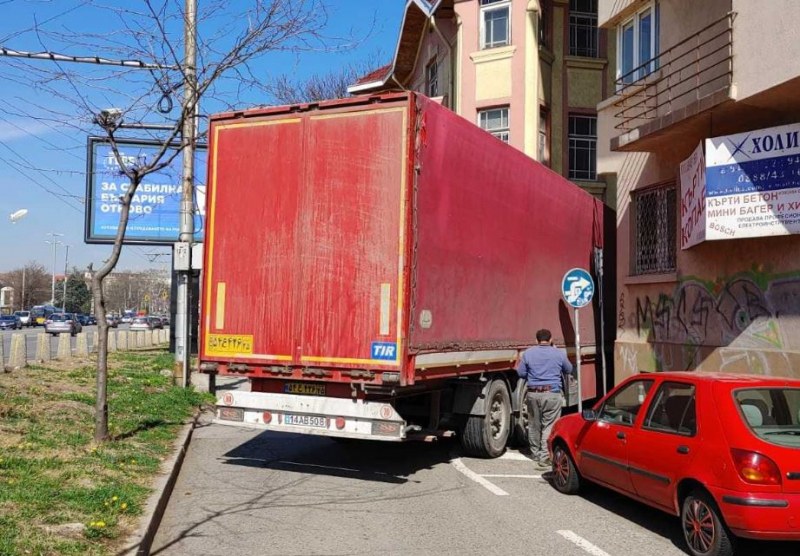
(566, 478)
(704, 530)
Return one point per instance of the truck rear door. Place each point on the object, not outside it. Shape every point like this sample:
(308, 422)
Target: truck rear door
(306, 238)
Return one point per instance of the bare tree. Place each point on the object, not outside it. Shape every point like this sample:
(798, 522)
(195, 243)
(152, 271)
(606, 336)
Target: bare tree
(231, 37)
(333, 84)
(31, 285)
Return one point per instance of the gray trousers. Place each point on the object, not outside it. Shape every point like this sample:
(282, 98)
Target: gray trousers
(543, 410)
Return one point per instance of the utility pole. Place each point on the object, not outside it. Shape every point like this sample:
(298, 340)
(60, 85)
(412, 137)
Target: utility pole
(54, 242)
(66, 265)
(22, 300)
(182, 330)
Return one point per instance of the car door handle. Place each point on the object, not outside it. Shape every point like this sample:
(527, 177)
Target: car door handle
(683, 449)
(621, 435)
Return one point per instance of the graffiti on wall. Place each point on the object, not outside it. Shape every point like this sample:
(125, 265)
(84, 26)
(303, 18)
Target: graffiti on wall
(749, 321)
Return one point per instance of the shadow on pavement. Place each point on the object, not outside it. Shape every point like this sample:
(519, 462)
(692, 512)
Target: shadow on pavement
(364, 460)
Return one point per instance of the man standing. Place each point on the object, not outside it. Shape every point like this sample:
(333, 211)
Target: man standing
(542, 367)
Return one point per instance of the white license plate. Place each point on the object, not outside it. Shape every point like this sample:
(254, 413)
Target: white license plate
(305, 420)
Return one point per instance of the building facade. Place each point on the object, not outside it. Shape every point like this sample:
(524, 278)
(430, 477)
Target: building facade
(699, 134)
(531, 72)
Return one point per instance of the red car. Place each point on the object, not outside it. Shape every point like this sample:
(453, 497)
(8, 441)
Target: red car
(722, 451)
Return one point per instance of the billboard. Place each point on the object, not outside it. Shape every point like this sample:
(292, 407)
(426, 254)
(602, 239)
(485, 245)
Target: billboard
(753, 183)
(693, 199)
(155, 209)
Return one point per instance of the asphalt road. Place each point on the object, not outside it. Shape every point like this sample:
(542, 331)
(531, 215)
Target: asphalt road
(30, 339)
(243, 492)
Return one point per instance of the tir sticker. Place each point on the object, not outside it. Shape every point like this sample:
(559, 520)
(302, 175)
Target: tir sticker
(384, 351)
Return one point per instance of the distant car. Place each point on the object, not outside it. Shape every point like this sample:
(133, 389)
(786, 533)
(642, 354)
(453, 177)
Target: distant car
(25, 318)
(157, 322)
(141, 323)
(59, 323)
(92, 319)
(721, 451)
(10, 322)
(83, 319)
(165, 320)
(113, 320)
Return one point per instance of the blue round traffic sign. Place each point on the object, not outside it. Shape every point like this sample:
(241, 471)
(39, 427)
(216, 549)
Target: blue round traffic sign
(577, 287)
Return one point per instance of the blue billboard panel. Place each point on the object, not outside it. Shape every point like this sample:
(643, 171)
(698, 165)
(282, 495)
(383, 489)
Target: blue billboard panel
(155, 208)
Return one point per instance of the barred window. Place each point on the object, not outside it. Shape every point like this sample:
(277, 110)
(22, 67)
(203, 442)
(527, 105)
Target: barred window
(495, 121)
(582, 147)
(583, 28)
(654, 231)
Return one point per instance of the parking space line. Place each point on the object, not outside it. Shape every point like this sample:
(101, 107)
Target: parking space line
(582, 543)
(505, 476)
(464, 470)
(515, 456)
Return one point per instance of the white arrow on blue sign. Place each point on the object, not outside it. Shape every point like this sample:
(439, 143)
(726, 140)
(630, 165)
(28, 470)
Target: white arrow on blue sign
(577, 287)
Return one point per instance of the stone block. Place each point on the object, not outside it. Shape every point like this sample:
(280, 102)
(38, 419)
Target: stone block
(64, 347)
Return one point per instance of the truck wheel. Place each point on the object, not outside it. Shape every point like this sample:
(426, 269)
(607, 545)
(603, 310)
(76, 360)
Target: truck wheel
(486, 435)
(520, 433)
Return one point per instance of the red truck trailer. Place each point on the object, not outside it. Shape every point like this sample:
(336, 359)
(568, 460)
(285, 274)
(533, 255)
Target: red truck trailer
(375, 266)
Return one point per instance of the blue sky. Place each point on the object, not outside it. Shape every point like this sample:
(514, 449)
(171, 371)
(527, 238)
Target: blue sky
(43, 162)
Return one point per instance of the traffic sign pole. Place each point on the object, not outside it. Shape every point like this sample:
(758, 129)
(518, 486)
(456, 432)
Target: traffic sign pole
(578, 358)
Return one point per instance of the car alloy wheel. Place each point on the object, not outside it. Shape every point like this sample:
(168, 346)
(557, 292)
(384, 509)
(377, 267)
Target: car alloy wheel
(565, 475)
(703, 530)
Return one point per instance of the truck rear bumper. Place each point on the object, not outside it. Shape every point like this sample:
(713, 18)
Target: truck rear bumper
(317, 415)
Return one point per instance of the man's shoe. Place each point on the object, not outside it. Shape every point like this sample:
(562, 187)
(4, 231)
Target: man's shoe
(544, 464)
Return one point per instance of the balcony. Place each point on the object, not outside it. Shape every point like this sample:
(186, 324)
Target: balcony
(689, 78)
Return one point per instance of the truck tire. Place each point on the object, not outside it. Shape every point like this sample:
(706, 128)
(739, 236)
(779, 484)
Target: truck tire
(519, 435)
(486, 435)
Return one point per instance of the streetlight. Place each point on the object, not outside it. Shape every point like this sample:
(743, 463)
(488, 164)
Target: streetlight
(54, 242)
(15, 217)
(66, 265)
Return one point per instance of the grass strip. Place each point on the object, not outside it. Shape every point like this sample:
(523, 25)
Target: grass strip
(59, 492)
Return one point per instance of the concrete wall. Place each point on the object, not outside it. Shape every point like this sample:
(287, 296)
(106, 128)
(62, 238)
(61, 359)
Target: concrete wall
(766, 49)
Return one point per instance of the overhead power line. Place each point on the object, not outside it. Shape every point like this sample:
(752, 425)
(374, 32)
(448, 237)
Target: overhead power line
(97, 60)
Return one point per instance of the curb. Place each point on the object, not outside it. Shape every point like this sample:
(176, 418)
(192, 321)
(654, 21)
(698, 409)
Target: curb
(142, 538)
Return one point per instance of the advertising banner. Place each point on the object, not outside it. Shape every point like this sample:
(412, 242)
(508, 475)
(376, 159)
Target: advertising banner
(155, 209)
(693, 199)
(753, 183)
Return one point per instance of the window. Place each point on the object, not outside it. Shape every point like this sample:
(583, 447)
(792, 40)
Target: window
(495, 26)
(772, 414)
(654, 230)
(624, 406)
(543, 150)
(583, 28)
(432, 79)
(495, 121)
(638, 44)
(673, 409)
(544, 23)
(582, 147)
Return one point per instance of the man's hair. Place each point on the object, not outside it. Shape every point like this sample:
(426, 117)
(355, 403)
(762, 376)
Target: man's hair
(543, 335)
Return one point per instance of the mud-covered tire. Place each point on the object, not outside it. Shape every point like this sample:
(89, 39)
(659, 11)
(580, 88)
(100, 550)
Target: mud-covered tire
(486, 435)
(703, 529)
(566, 478)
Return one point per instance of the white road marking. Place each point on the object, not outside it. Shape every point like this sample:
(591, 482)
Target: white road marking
(512, 476)
(516, 456)
(464, 470)
(582, 543)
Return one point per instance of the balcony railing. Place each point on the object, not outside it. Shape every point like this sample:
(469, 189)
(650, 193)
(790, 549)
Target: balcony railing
(689, 71)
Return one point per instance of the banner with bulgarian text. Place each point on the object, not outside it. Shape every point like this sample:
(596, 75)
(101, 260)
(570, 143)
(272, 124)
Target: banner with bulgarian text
(753, 183)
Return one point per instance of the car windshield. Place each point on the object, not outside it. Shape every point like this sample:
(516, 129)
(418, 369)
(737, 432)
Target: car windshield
(773, 414)
(22, 313)
(60, 317)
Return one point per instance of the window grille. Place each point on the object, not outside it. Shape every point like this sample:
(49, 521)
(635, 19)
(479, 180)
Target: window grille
(583, 28)
(582, 147)
(654, 230)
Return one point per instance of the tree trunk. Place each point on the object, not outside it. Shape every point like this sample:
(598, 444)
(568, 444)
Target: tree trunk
(101, 403)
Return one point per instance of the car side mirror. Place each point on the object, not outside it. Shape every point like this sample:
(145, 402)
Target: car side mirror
(589, 415)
